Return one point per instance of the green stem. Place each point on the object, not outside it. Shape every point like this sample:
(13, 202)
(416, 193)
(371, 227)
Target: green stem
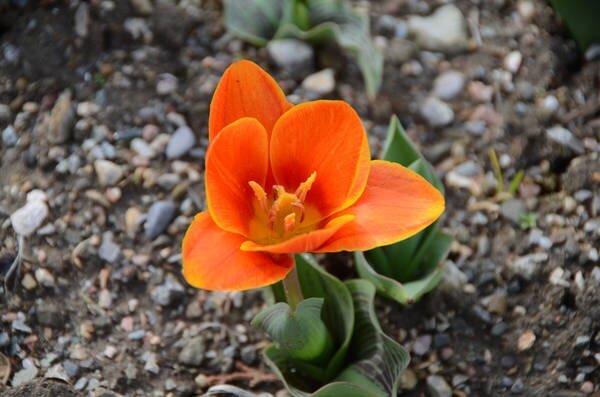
(293, 291)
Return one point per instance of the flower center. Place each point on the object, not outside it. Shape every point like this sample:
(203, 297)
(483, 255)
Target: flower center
(284, 212)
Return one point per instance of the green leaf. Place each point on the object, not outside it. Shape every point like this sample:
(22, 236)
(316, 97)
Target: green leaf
(255, 21)
(378, 360)
(337, 314)
(397, 146)
(336, 20)
(403, 293)
(301, 334)
(581, 17)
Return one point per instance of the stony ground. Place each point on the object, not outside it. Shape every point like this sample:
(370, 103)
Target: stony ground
(103, 113)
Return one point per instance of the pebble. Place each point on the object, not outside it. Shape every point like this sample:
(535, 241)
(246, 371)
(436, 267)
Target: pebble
(5, 112)
(587, 387)
(550, 104)
(166, 84)
(142, 148)
(438, 387)
(109, 250)
(159, 217)
(436, 112)
(57, 371)
(44, 277)
(480, 92)
(512, 210)
(138, 29)
(62, 119)
(151, 363)
(566, 138)
(9, 136)
(142, 7)
(181, 142)
(512, 62)
(30, 217)
(82, 20)
(87, 109)
(448, 85)
(445, 30)
(294, 57)
(526, 266)
(526, 340)
(320, 83)
(422, 345)
(109, 173)
(105, 299)
(28, 282)
(192, 352)
(136, 335)
(25, 375)
(168, 292)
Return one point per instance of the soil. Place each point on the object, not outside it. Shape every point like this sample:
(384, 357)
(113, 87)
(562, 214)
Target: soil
(117, 322)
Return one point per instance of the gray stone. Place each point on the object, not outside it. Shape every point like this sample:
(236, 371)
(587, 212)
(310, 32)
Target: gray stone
(438, 387)
(82, 19)
(109, 250)
(29, 218)
(108, 172)
(9, 136)
(445, 30)
(5, 112)
(449, 85)
(168, 292)
(166, 84)
(321, 83)
(159, 217)
(436, 112)
(564, 137)
(49, 315)
(294, 57)
(25, 375)
(192, 352)
(181, 142)
(512, 210)
(62, 118)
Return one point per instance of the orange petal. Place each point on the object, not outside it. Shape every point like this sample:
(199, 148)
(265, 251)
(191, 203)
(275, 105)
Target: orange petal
(246, 90)
(212, 259)
(306, 242)
(396, 204)
(238, 155)
(329, 138)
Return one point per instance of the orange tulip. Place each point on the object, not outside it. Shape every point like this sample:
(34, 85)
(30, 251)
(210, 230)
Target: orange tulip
(283, 179)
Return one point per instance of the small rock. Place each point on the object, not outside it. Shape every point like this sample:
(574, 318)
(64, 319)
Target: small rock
(166, 84)
(132, 218)
(436, 112)
(526, 340)
(168, 292)
(512, 210)
(320, 83)
(294, 57)
(57, 371)
(142, 148)
(87, 109)
(109, 250)
(62, 118)
(151, 363)
(454, 279)
(422, 345)
(50, 315)
(526, 266)
(192, 352)
(181, 142)
(5, 112)
(159, 217)
(9, 136)
(445, 30)
(564, 137)
(512, 62)
(29, 218)
(44, 277)
(105, 299)
(409, 380)
(138, 29)
(449, 85)
(82, 19)
(25, 375)
(438, 387)
(108, 172)
(480, 92)
(587, 387)
(28, 282)
(497, 304)
(557, 277)
(142, 7)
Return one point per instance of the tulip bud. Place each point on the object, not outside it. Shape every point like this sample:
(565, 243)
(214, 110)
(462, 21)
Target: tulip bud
(300, 333)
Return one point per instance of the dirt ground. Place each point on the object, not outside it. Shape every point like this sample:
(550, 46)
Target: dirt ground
(95, 97)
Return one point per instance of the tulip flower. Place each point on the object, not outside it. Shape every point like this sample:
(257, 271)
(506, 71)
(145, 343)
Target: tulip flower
(283, 179)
